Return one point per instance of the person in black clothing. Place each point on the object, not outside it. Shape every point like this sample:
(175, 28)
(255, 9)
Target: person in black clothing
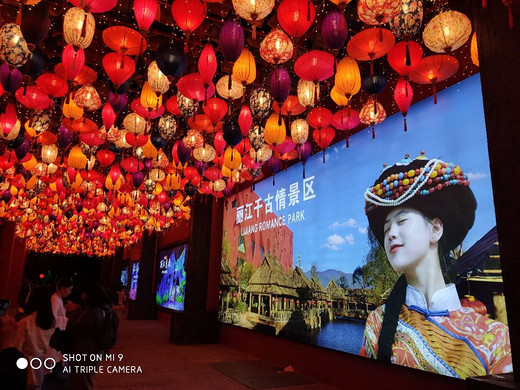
(11, 376)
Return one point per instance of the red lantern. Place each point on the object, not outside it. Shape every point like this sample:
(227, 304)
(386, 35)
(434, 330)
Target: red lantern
(95, 6)
(124, 40)
(132, 164)
(315, 66)
(33, 98)
(404, 57)
(207, 64)
(72, 61)
(202, 123)
(190, 173)
(192, 86)
(105, 157)
(91, 139)
(245, 120)
(323, 138)
(145, 11)
(219, 143)
(86, 75)
(109, 116)
(118, 67)
(296, 16)
(291, 106)
(319, 117)
(171, 106)
(215, 109)
(188, 14)
(137, 107)
(403, 94)
(52, 84)
(433, 69)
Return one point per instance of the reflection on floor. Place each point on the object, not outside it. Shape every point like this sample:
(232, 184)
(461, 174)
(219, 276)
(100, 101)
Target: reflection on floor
(167, 366)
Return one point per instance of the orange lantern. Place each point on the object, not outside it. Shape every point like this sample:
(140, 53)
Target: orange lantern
(77, 159)
(244, 69)
(367, 45)
(274, 132)
(372, 113)
(232, 158)
(149, 98)
(348, 77)
(86, 75)
(474, 50)
(124, 40)
(434, 69)
(71, 110)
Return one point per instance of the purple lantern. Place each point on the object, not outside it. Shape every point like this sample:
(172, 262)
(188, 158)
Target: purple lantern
(118, 102)
(65, 137)
(201, 166)
(231, 40)
(183, 152)
(274, 165)
(304, 152)
(137, 179)
(22, 150)
(11, 79)
(334, 30)
(280, 84)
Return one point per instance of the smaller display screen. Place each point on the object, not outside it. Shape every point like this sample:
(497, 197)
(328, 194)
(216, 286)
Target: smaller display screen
(171, 278)
(133, 281)
(124, 277)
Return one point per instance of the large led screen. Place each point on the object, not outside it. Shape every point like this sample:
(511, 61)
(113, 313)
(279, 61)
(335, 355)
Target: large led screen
(132, 292)
(171, 278)
(299, 259)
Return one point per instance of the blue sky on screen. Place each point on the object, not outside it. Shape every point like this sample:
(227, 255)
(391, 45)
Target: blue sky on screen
(334, 233)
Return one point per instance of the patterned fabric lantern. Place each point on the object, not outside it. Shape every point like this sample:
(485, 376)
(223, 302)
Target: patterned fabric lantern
(78, 28)
(372, 114)
(404, 57)
(149, 98)
(134, 123)
(348, 77)
(370, 44)
(334, 30)
(193, 139)
(378, 12)
(13, 47)
(119, 67)
(262, 154)
(434, 69)
(280, 84)
(40, 121)
(124, 40)
(256, 137)
(403, 95)
(308, 93)
(260, 103)
(231, 40)
(408, 20)
(87, 97)
(274, 132)
(145, 11)
(207, 64)
(52, 84)
(205, 153)
(447, 31)
(49, 153)
(296, 16)
(474, 50)
(254, 11)
(244, 69)
(236, 91)
(276, 47)
(188, 14)
(299, 131)
(186, 106)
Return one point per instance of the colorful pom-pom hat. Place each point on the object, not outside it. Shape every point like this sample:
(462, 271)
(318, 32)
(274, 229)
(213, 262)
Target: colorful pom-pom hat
(435, 188)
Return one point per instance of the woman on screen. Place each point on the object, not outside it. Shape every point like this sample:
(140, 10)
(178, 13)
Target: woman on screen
(419, 210)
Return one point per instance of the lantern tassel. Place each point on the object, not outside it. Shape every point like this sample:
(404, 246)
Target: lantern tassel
(323, 156)
(371, 68)
(373, 132)
(405, 126)
(273, 180)
(380, 33)
(308, 11)
(84, 27)
(375, 107)
(434, 94)
(348, 141)
(510, 12)
(408, 60)
(303, 170)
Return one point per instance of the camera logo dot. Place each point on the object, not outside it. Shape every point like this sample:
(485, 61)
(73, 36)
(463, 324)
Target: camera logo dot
(22, 363)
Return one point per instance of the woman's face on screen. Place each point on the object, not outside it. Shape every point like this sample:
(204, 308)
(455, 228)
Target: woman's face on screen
(408, 238)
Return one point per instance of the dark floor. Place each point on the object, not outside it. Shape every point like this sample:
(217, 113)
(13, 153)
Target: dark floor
(168, 366)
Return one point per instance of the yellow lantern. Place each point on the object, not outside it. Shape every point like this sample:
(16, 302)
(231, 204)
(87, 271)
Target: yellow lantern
(157, 175)
(29, 130)
(149, 98)
(77, 159)
(149, 150)
(232, 158)
(134, 123)
(29, 164)
(78, 28)
(110, 185)
(226, 172)
(348, 78)
(173, 181)
(274, 131)
(244, 69)
(474, 50)
(218, 185)
(447, 31)
(49, 153)
(71, 109)
(157, 80)
(337, 97)
(307, 92)
(299, 131)
(236, 91)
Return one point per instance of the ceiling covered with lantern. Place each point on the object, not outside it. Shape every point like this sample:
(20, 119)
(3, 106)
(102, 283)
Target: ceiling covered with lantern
(117, 115)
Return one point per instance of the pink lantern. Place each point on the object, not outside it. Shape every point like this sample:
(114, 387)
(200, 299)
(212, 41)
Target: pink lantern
(72, 61)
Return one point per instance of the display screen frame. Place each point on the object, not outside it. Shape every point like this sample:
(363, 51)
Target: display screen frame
(171, 264)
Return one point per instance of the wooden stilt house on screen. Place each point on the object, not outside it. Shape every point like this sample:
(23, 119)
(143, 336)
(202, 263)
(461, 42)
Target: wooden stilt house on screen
(303, 287)
(272, 295)
(337, 297)
(227, 282)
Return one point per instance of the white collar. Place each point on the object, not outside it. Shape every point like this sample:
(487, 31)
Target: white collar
(443, 299)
